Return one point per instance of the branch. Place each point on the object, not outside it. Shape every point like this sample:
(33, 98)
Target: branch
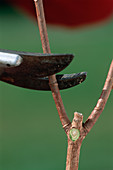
(52, 79)
(101, 102)
(74, 144)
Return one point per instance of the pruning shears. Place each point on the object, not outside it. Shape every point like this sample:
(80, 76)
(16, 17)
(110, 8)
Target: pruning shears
(30, 70)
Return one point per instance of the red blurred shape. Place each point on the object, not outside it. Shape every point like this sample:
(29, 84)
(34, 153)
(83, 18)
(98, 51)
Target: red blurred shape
(70, 12)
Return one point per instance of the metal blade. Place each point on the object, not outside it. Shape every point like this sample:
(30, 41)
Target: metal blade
(16, 63)
(64, 81)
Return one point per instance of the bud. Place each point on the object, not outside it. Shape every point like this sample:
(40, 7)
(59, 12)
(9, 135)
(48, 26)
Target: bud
(74, 134)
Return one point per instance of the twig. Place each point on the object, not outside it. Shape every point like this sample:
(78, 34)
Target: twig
(52, 79)
(101, 102)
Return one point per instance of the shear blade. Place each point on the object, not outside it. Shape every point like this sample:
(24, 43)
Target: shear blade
(33, 64)
(64, 81)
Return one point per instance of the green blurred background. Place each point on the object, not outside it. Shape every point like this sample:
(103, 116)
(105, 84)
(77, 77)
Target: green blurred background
(31, 135)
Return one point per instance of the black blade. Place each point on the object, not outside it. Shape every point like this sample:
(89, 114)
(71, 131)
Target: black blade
(64, 81)
(35, 64)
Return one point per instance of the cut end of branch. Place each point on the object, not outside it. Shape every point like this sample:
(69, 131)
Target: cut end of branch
(78, 116)
(77, 121)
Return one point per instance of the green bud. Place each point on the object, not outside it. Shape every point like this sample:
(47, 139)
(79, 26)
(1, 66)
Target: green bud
(74, 134)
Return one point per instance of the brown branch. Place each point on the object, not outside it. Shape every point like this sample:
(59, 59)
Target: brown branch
(101, 102)
(52, 79)
(73, 150)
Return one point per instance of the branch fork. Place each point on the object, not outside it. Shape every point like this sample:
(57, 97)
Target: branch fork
(76, 131)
